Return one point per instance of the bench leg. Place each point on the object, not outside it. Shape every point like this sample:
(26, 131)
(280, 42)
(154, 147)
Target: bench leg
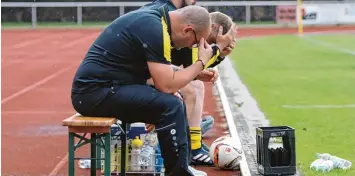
(123, 148)
(98, 154)
(93, 154)
(71, 154)
(107, 154)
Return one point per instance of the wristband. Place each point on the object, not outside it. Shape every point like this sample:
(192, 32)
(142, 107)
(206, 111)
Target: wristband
(215, 49)
(221, 58)
(203, 64)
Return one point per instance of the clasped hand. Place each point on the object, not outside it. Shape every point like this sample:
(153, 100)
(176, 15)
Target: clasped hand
(208, 75)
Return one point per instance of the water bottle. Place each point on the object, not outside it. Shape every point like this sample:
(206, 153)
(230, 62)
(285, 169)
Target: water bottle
(84, 163)
(338, 162)
(147, 155)
(159, 159)
(328, 166)
(135, 152)
(322, 165)
(115, 149)
(315, 164)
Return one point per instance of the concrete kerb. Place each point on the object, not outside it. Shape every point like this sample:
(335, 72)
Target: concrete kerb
(242, 114)
(244, 168)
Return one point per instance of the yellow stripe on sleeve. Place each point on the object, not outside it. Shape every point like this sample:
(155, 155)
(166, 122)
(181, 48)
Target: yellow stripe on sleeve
(166, 41)
(210, 62)
(213, 59)
(194, 55)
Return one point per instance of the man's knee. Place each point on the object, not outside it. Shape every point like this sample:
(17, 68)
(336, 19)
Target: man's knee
(189, 92)
(198, 85)
(199, 88)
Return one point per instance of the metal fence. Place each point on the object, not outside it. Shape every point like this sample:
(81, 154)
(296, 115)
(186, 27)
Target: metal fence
(240, 11)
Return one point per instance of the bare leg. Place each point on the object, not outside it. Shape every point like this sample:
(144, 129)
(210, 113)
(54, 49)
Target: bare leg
(189, 96)
(198, 109)
(197, 119)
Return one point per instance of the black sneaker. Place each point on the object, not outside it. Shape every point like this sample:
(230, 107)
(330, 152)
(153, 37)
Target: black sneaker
(201, 157)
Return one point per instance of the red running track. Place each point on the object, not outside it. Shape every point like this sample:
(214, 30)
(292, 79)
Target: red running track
(37, 70)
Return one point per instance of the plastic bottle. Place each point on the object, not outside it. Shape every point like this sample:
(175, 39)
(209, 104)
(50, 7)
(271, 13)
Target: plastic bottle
(315, 164)
(84, 163)
(115, 149)
(159, 159)
(328, 165)
(322, 165)
(147, 155)
(136, 150)
(338, 162)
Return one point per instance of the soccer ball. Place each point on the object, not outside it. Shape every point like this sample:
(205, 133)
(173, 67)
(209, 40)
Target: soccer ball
(225, 154)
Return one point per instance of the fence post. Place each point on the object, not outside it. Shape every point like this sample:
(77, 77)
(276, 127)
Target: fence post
(247, 14)
(79, 15)
(121, 10)
(34, 16)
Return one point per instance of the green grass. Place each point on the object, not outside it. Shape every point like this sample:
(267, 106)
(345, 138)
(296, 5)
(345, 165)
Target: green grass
(288, 70)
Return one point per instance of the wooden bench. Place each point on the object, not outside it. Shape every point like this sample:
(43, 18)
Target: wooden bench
(79, 126)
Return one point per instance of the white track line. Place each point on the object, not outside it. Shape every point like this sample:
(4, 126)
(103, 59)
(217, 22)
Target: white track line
(244, 168)
(319, 106)
(36, 84)
(59, 166)
(328, 45)
(28, 42)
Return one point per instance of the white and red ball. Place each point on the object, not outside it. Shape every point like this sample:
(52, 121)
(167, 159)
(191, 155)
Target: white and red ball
(225, 154)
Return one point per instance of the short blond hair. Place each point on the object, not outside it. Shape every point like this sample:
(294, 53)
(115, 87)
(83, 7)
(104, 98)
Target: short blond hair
(221, 19)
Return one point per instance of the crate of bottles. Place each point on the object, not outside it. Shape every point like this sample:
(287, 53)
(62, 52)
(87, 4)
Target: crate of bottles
(134, 165)
(276, 151)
